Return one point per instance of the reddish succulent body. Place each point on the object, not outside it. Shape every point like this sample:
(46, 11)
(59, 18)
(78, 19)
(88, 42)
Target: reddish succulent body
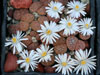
(21, 3)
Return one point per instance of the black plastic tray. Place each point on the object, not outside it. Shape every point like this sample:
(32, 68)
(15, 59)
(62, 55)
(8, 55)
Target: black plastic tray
(93, 40)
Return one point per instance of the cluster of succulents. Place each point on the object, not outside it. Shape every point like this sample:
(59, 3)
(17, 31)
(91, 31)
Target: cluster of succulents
(49, 36)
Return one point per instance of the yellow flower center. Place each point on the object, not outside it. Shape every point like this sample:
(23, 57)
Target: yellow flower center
(27, 60)
(86, 25)
(14, 40)
(44, 54)
(48, 32)
(69, 24)
(55, 8)
(77, 7)
(83, 62)
(64, 63)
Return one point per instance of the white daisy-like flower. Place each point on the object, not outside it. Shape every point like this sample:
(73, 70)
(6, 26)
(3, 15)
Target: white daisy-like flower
(15, 42)
(28, 60)
(69, 25)
(65, 64)
(84, 63)
(44, 53)
(86, 27)
(76, 9)
(48, 32)
(54, 9)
